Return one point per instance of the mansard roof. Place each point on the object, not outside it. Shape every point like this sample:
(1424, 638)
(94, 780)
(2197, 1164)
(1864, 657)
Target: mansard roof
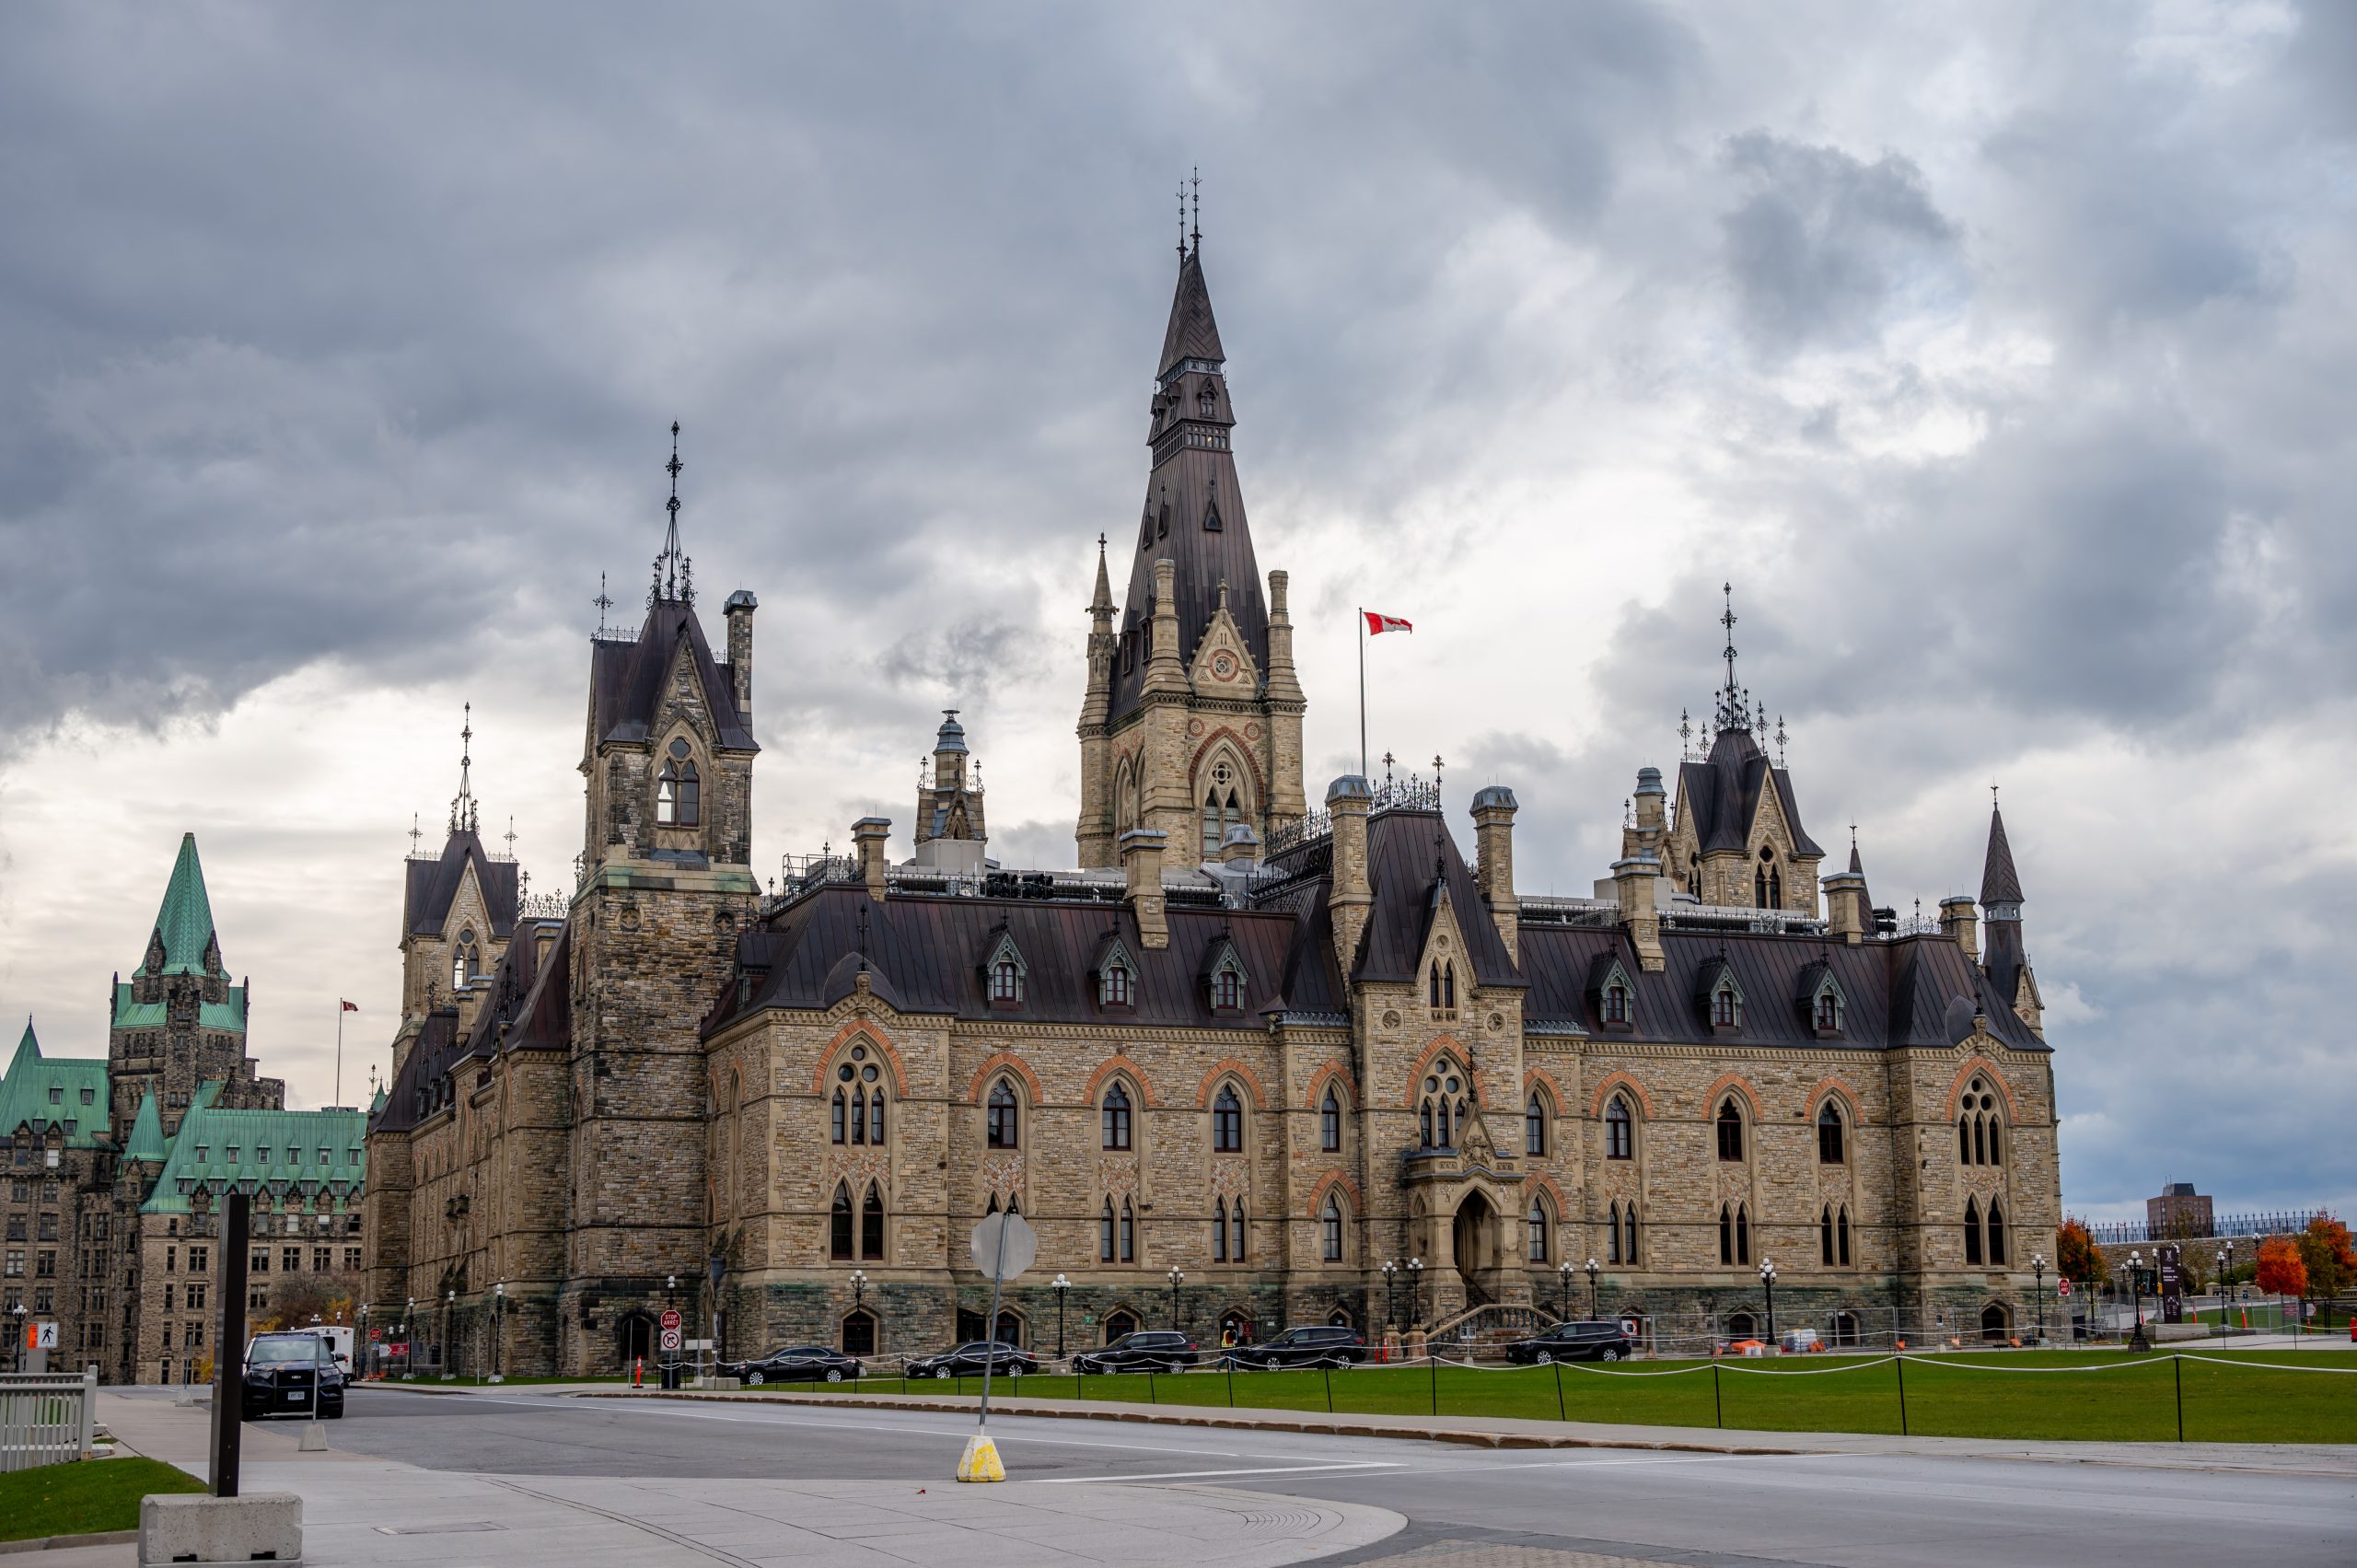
(627, 678)
(1404, 849)
(25, 1087)
(1721, 793)
(432, 885)
(530, 1007)
(279, 1150)
(431, 1056)
(1916, 991)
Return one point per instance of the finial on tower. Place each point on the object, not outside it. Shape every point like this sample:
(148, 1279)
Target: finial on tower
(604, 601)
(1195, 180)
(415, 833)
(1734, 701)
(673, 572)
(1685, 735)
(1781, 738)
(1182, 223)
(510, 836)
(463, 805)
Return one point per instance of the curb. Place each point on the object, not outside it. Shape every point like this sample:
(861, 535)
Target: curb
(1336, 1427)
(45, 1543)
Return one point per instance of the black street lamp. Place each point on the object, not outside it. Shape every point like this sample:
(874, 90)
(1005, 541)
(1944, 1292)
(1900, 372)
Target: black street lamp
(1564, 1278)
(2038, 1272)
(18, 1360)
(1592, 1272)
(1415, 1291)
(409, 1340)
(449, 1305)
(1390, 1294)
(1768, 1283)
(1176, 1277)
(2136, 1296)
(498, 1332)
(1060, 1286)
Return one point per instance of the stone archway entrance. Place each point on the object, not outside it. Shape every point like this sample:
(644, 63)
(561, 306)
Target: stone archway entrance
(635, 1338)
(1473, 1244)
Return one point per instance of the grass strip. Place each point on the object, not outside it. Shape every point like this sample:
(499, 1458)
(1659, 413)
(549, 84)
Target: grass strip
(85, 1496)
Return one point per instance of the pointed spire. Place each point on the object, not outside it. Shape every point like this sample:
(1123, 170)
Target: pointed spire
(463, 805)
(1101, 603)
(1734, 704)
(674, 573)
(184, 920)
(1856, 869)
(27, 1048)
(146, 1132)
(1193, 333)
(2001, 885)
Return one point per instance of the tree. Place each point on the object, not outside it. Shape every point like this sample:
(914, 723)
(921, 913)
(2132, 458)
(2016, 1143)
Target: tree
(2281, 1270)
(2076, 1256)
(2325, 1250)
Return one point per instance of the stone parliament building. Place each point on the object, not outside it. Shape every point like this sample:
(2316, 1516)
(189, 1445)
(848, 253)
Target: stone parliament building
(1268, 1048)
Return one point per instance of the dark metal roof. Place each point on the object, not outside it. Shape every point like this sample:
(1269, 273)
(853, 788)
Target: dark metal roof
(626, 679)
(2000, 883)
(530, 1008)
(432, 884)
(1722, 794)
(430, 1056)
(1192, 333)
(1403, 850)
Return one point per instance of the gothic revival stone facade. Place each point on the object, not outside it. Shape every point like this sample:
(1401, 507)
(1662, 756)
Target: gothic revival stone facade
(1277, 1050)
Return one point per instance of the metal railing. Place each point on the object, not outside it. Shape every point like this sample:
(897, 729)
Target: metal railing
(47, 1420)
(2120, 1232)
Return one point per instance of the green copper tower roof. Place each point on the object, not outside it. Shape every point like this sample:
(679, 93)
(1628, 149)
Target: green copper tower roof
(311, 1155)
(185, 920)
(69, 1093)
(146, 1132)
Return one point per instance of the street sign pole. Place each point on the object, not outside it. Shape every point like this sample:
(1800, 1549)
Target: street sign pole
(1003, 1245)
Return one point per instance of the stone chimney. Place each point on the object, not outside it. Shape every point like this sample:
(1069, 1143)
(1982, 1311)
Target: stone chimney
(739, 613)
(1142, 867)
(1283, 683)
(1634, 883)
(1348, 801)
(868, 834)
(1242, 850)
(1652, 831)
(1847, 916)
(1961, 919)
(1493, 810)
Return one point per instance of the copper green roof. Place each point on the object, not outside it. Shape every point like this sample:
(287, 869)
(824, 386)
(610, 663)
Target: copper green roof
(146, 1132)
(185, 920)
(131, 1015)
(277, 1151)
(37, 1092)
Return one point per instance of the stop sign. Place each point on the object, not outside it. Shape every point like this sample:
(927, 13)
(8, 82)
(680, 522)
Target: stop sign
(2061, 1287)
(670, 1319)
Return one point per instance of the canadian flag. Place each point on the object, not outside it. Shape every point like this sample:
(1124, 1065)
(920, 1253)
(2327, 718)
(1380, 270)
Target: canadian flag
(1377, 624)
(351, 1006)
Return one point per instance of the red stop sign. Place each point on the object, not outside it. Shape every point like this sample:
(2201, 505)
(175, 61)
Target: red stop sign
(670, 1319)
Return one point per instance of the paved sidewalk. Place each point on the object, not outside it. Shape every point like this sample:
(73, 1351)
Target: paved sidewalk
(1503, 1432)
(359, 1511)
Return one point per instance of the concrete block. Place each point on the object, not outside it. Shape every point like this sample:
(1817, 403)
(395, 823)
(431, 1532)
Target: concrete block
(715, 1383)
(261, 1526)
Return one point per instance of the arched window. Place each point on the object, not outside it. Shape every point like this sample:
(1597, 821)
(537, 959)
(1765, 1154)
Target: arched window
(1964, 1140)
(1227, 988)
(1007, 980)
(859, 1116)
(1001, 1131)
(1996, 1153)
(876, 1116)
(1760, 888)
(1996, 1232)
(1223, 809)
(1979, 1140)
(1724, 1013)
(1612, 1233)
(1219, 1230)
(1629, 1234)
(840, 1224)
(1829, 1135)
(1330, 1228)
(1228, 1121)
(1236, 1231)
(1616, 1003)
(1440, 1113)
(1825, 1235)
(1329, 1123)
(1114, 986)
(1537, 1222)
(1971, 1231)
(1116, 1118)
(1743, 1233)
(1842, 1234)
(1424, 1126)
(1727, 1234)
(836, 1119)
(678, 793)
(1829, 1011)
(1129, 1233)
(1730, 1131)
(466, 960)
(1534, 1127)
(992, 1207)
(871, 1224)
(1105, 1233)
(1620, 1130)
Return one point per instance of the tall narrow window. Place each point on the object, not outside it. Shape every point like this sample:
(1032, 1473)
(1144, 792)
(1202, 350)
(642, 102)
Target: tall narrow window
(1129, 1233)
(1446, 1140)
(1620, 1132)
(1007, 981)
(840, 1224)
(1971, 1231)
(1536, 1223)
(1842, 1233)
(876, 1117)
(871, 1224)
(1116, 1118)
(1743, 1233)
(1829, 1135)
(1228, 1121)
(1228, 990)
(838, 1120)
(1996, 1232)
(1330, 1226)
(1775, 887)
(1329, 1123)
(1979, 1141)
(1730, 1131)
(1760, 889)
(1236, 1231)
(1825, 1235)
(1996, 1155)
(1612, 1233)
(1727, 1234)
(1219, 1230)
(1424, 1125)
(1629, 1234)
(1105, 1233)
(1114, 986)
(1964, 1140)
(1000, 1131)
(1723, 1008)
(678, 791)
(1534, 1127)
(1433, 986)
(1616, 1003)
(859, 1116)
(1449, 986)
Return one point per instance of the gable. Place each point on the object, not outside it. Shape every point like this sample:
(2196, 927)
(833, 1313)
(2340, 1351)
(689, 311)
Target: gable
(1223, 666)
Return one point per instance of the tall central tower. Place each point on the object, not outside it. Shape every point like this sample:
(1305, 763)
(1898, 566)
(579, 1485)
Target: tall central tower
(1191, 725)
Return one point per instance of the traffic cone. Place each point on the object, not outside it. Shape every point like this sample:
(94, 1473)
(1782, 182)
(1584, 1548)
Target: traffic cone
(979, 1462)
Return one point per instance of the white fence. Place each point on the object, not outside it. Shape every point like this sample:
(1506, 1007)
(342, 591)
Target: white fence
(46, 1420)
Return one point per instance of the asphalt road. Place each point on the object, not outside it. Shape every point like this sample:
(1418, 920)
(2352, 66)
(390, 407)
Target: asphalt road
(1683, 1508)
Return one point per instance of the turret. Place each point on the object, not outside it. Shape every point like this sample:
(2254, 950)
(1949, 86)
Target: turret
(1348, 800)
(2007, 960)
(1493, 814)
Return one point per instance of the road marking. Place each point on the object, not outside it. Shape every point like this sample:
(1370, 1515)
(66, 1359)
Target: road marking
(1201, 1475)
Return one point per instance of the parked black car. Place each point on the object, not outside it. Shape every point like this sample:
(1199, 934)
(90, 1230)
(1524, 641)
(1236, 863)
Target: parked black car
(1604, 1339)
(1147, 1350)
(1320, 1344)
(967, 1361)
(285, 1373)
(794, 1364)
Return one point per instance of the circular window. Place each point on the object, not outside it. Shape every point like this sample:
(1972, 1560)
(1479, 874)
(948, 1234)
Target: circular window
(1432, 1085)
(867, 1073)
(467, 934)
(1223, 775)
(1452, 1086)
(679, 749)
(843, 1071)
(859, 1053)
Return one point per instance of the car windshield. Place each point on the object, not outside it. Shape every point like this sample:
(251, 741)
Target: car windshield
(293, 1348)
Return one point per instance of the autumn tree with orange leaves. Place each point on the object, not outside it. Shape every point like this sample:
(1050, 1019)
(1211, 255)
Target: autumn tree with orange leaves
(2281, 1270)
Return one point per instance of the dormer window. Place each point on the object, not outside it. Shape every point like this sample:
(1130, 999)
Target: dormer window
(1114, 986)
(1616, 1003)
(1003, 972)
(1828, 1011)
(1225, 982)
(1723, 1008)
(678, 791)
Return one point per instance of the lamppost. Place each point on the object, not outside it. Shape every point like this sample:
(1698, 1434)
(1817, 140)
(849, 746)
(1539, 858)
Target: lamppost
(1415, 1291)
(409, 1341)
(1768, 1283)
(1390, 1294)
(18, 1363)
(1592, 1272)
(2038, 1272)
(449, 1305)
(1176, 1277)
(499, 1332)
(1060, 1286)
(1564, 1278)
(2136, 1296)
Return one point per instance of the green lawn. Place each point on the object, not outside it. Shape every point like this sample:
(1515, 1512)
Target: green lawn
(2265, 1396)
(92, 1494)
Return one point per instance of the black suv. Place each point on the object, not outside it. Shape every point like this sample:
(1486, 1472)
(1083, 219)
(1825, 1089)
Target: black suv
(285, 1373)
(1319, 1345)
(806, 1364)
(1605, 1339)
(1147, 1350)
(967, 1360)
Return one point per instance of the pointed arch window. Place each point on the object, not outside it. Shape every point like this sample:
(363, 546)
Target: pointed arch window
(1727, 1234)
(1830, 1140)
(859, 1116)
(466, 960)
(1842, 1234)
(1105, 1233)
(1329, 1122)
(1441, 1111)
(1330, 1229)
(871, 1224)
(1236, 1231)
(1116, 1118)
(1007, 980)
(1535, 1223)
(1743, 1233)
(1129, 1233)
(1114, 986)
(1613, 1232)
(1534, 1126)
(1730, 1126)
(1971, 1231)
(1829, 1011)
(838, 1224)
(1228, 985)
(1616, 1003)
(1001, 1126)
(678, 790)
(1629, 1233)
(839, 1118)
(1726, 1008)
(1620, 1130)
(1219, 1230)
(1228, 1121)
(1996, 1232)
(1825, 1235)
(1222, 808)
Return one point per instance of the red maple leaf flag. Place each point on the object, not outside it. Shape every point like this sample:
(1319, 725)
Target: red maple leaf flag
(351, 1006)
(1377, 624)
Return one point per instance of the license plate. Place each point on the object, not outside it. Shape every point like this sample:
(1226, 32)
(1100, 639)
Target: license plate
(296, 1399)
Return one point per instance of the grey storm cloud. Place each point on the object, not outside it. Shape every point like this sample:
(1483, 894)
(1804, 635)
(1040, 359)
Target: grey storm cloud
(351, 339)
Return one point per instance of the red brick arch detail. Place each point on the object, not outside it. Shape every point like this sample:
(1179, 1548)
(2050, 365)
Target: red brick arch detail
(1006, 1061)
(1988, 1070)
(1243, 749)
(1840, 1089)
(1563, 1205)
(1620, 1081)
(855, 1029)
(1327, 1074)
(1231, 1068)
(1123, 1065)
(1535, 1076)
(1431, 1054)
(1741, 1085)
(1325, 1184)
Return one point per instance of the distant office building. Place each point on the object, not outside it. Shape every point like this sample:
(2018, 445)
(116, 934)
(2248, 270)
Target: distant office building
(2179, 1211)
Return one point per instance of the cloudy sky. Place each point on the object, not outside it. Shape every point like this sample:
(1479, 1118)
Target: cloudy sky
(2000, 355)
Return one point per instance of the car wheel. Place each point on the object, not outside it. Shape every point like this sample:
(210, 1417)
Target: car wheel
(1544, 1357)
(941, 1372)
(755, 1380)
(834, 1374)
(1612, 1353)
(335, 1414)
(1015, 1370)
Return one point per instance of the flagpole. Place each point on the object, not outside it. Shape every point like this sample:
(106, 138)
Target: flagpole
(1362, 691)
(339, 1050)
